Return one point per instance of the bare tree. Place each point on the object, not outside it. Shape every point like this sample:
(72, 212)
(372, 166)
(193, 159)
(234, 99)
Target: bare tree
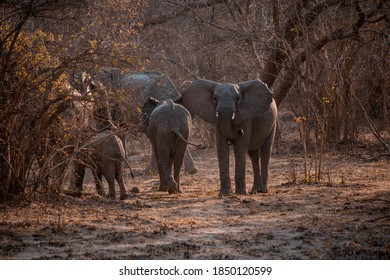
(315, 46)
(42, 43)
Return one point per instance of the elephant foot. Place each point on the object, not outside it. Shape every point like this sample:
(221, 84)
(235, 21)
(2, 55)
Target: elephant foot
(193, 171)
(112, 196)
(135, 190)
(172, 188)
(124, 196)
(241, 191)
(101, 193)
(259, 189)
(224, 192)
(74, 193)
(162, 188)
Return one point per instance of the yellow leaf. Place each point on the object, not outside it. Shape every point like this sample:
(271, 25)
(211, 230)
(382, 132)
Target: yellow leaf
(93, 43)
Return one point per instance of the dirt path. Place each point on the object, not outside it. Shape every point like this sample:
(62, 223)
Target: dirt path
(347, 217)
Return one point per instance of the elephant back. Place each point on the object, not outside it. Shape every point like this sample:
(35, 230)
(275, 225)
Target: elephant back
(167, 116)
(138, 84)
(108, 145)
(130, 89)
(142, 85)
(163, 87)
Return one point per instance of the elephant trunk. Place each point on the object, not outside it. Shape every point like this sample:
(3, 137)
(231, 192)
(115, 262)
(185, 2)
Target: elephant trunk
(226, 126)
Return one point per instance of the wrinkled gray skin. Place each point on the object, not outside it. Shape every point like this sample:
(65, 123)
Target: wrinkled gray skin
(140, 85)
(164, 121)
(105, 156)
(136, 88)
(245, 115)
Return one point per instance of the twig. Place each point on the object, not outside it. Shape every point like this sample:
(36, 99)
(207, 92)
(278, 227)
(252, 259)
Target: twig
(371, 125)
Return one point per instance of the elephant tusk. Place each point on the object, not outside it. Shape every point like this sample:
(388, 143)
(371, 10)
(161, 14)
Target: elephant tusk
(233, 116)
(217, 114)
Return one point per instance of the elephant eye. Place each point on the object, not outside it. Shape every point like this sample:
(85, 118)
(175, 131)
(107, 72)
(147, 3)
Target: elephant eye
(238, 100)
(214, 100)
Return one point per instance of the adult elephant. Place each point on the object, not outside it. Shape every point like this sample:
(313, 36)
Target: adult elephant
(138, 85)
(131, 89)
(245, 115)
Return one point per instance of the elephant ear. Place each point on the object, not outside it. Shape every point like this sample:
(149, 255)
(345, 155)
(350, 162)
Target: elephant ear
(178, 100)
(256, 100)
(198, 99)
(149, 105)
(146, 110)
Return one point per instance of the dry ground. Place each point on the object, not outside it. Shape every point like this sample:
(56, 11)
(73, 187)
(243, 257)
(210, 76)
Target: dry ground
(345, 217)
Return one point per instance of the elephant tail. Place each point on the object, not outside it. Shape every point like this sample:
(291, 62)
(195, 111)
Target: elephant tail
(131, 170)
(176, 131)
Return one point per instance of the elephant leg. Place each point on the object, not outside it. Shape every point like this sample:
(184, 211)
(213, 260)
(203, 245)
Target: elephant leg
(72, 178)
(153, 168)
(98, 182)
(163, 184)
(171, 183)
(79, 172)
(122, 136)
(178, 163)
(223, 162)
(119, 179)
(109, 174)
(254, 155)
(165, 162)
(189, 164)
(240, 167)
(265, 154)
(111, 187)
(167, 170)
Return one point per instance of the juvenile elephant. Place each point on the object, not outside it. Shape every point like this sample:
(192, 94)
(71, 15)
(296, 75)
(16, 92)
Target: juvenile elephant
(105, 155)
(168, 127)
(245, 115)
(131, 89)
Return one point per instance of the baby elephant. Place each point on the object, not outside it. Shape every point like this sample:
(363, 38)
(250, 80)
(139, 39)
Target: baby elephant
(105, 156)
(168, 127)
